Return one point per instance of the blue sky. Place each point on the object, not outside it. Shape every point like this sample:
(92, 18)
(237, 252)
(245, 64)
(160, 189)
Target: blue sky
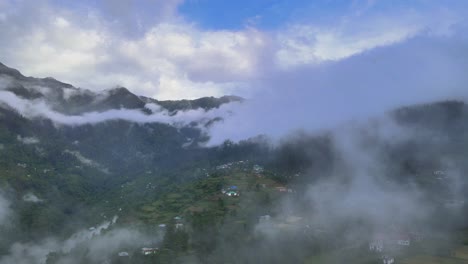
(216, 14)
(271, 14)
(237, 14)
(233, 15)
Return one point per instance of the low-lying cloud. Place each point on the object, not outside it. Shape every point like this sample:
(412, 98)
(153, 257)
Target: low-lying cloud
(425, 69)
(93, 245)
(362, 191)
(40, 109)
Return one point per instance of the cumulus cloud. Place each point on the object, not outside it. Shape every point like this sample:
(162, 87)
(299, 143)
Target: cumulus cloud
(169, 60)
(55, 37)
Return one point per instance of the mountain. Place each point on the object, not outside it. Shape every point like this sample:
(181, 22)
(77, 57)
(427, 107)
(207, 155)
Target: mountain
(71, 159)
(75, 168)
(67, 99)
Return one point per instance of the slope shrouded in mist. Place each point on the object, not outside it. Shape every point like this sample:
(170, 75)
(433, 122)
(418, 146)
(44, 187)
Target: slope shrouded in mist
(64, 104)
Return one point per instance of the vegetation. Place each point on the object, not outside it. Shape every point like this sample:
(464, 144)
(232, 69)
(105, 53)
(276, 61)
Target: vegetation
(160, 181)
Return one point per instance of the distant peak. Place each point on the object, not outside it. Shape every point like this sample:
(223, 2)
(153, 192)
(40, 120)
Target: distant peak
(10, 71)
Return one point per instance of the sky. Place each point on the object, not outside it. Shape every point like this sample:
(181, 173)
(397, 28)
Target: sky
(173, 49)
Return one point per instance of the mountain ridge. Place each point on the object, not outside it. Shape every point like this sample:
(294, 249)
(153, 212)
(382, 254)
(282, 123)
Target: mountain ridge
(67, 99)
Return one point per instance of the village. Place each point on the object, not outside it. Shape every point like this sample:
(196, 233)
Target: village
(239, 184)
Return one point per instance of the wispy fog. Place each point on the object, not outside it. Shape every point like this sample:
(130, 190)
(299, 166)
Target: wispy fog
(40, 109)
(96, 245)
(355, 190)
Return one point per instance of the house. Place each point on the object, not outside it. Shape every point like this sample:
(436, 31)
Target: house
(403, 240)
(232, 191)
(258, 168)
(281, 189)
(179, 226)
(388, 260)
(376, 245)
(417, 236)
(149, 251)
(389, 239)
(123, 254)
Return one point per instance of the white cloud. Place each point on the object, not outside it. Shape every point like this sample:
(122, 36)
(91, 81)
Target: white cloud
(61, 48)
(421, 70)
(170, 58)
(169, 61)
(40, 109)
(305, 45)
(311, 44)
(188, 62)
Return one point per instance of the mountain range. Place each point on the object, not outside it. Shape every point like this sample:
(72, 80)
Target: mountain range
(71, 158)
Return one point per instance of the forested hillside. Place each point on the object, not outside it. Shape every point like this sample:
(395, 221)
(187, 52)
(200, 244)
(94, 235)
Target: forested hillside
(72, 159)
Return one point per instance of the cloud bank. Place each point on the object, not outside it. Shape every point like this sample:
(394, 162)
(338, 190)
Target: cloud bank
(425, 69)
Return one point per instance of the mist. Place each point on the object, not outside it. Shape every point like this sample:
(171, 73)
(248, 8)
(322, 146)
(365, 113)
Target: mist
(425, 68)
(326, 115)
(40, 109)
(355, 190)
(5, 210)
(95, 245)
